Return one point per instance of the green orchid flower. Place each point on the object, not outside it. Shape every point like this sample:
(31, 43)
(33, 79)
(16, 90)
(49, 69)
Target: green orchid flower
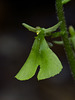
(40, 55)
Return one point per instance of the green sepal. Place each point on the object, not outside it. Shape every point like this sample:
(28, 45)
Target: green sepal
(30, 28)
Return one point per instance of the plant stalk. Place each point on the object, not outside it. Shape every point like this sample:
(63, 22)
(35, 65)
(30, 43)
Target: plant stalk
(63, 28)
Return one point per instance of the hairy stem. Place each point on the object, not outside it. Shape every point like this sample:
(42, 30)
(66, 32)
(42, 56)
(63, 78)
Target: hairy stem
(63, 28)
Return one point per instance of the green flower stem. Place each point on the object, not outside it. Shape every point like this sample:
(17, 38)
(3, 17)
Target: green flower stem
(63, 28)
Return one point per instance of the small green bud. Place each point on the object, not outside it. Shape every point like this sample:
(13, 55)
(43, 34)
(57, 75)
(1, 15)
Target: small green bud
(71, 31)
(65, 1)
(58, 42)
(73, 42)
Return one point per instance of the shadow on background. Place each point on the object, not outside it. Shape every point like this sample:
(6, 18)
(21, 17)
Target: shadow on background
(16, 43)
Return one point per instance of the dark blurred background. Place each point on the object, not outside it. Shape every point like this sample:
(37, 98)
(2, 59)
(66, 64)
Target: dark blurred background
(16, 43)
